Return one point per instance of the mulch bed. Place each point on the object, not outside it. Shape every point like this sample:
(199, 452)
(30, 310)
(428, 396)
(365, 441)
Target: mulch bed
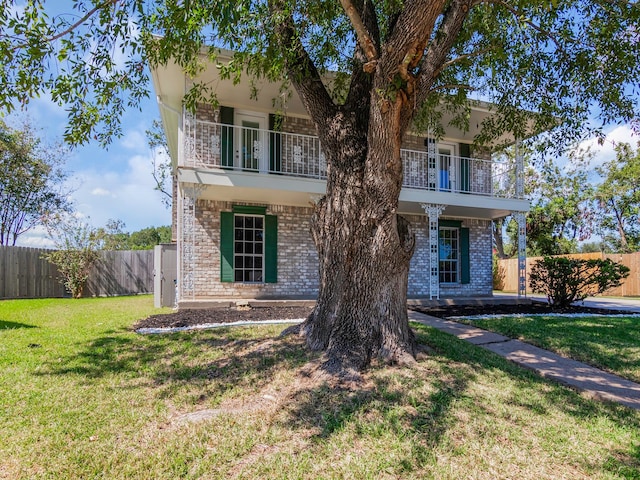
(534, 308)
(188, 318)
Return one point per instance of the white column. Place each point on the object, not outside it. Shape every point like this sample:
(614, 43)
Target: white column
(521, 220)
(433, 212)
(188, 153)
(519, 170)
(187, 241)
(433, 181)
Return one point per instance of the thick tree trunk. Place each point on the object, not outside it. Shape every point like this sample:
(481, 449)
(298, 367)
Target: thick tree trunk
(364, 251)
(364, 247)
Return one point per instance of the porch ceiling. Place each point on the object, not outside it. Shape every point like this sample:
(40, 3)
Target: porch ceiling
(250, 187)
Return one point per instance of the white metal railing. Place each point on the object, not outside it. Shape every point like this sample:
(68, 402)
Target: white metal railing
(215, 145)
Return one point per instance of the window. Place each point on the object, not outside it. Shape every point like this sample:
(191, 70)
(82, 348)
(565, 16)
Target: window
(248, 245)
(453, 252)
(449, 254)
(248, 248)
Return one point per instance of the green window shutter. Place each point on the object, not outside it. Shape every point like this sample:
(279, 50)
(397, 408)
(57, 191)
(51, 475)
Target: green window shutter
(275, 144)
(226, 142)
(270, 249)
(465, 266)
(465, 153)
(226, 246)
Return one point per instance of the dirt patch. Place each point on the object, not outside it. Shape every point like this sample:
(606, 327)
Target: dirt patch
(189, 318)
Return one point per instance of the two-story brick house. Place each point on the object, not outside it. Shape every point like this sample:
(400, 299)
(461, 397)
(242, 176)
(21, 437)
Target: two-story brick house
(247, 180)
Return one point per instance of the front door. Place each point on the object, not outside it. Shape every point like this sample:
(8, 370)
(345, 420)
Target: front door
(251, 151)
(447, 163)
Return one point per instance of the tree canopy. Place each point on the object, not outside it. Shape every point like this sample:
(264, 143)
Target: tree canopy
(569, 61)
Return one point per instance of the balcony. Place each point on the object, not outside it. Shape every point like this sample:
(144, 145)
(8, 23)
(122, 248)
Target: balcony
(215, 146)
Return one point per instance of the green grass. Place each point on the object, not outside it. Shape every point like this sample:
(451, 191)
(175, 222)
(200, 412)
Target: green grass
(608, 342)
(82, 396)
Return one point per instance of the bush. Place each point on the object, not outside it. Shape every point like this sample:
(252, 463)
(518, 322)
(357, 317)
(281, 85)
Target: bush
(78, 246)
(567, 280)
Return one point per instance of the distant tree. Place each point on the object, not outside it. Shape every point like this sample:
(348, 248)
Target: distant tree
(561, 213)
(115, 238)
(618, 200)
(590, 247)
(32, 182)
(144, 239)
(113, 235)
(162, 172)
(164, 233)
(78, 246)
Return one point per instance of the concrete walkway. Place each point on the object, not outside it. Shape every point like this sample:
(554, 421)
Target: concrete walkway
(590, 381)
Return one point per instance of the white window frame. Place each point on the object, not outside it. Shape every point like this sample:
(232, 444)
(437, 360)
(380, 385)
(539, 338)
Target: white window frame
(457, 260)
(245, 255)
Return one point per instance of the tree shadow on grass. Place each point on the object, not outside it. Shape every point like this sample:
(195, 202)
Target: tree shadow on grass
(210, 362)
(7, 325)
(423, 403)
(541, 395)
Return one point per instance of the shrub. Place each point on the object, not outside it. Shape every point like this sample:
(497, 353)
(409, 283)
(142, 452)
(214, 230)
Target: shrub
(566, 280)
(78, 246)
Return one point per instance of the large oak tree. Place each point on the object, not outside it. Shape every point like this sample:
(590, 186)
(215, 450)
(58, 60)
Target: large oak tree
(392, 64)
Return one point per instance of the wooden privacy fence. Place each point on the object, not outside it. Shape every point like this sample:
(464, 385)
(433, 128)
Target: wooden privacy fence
(25, 274)
(629, 288)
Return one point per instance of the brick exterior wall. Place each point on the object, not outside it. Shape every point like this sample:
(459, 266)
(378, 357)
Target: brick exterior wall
(479, 258)
(298, 260)
(297, 257)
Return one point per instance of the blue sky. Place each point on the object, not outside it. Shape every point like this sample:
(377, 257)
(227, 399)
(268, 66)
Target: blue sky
(113, 183)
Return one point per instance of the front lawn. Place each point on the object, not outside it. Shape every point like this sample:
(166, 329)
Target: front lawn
(83, 396)
(608, 342)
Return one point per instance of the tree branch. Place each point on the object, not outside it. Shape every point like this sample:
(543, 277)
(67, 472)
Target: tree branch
(450, 86)
(71, 28)
(464, 57)
(303, 73)
(361, 78)
(437, 52)
(362, 33)
(521, 17)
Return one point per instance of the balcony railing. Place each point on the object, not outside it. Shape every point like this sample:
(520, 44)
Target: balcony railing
(213, 145)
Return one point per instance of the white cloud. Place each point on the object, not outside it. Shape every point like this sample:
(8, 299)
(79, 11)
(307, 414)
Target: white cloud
(37, 237)
(606, 151)
(126, 195)
(101, 192)
(135, 140)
